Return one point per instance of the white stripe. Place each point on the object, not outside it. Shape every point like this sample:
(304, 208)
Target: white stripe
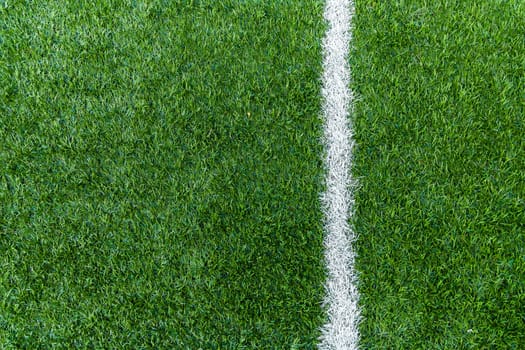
(341, 301)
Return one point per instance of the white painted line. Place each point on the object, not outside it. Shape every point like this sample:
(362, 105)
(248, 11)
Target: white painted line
(341, 301)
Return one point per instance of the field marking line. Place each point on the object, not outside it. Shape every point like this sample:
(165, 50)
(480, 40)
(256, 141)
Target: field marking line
(341, 301)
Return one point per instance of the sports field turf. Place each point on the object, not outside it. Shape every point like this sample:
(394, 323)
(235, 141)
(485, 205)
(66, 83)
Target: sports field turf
(440, 129)
(160, 174)
(161, 165)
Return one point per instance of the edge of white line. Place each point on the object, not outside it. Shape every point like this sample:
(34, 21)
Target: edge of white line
(341, 300)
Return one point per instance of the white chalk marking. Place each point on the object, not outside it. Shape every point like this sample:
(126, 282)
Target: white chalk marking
(341, 330)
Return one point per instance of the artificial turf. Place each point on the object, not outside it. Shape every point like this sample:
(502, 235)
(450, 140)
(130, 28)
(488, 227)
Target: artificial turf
(160, 169)
(440, 213)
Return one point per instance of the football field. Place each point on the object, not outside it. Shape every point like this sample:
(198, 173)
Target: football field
(165, 174)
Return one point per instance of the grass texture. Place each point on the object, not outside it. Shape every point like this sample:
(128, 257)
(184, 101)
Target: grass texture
(160, 167)
(441, 161)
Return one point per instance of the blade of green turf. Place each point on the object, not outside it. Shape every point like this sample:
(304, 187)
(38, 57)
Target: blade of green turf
(441, 160)
(160, 167)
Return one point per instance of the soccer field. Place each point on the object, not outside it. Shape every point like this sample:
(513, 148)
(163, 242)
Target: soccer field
(440, 129)
(162, 164)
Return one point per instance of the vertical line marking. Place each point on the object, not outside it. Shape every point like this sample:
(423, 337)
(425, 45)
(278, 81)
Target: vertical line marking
(341, 300)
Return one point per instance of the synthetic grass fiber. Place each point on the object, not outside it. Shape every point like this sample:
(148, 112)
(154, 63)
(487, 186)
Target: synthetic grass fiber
(160, 171)
(440, 157)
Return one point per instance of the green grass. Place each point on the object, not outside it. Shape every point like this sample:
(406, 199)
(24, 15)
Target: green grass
(441, 160)
(160, 168)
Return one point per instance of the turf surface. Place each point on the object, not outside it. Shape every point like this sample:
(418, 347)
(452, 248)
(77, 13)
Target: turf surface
(441, 161)
(160, 168)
